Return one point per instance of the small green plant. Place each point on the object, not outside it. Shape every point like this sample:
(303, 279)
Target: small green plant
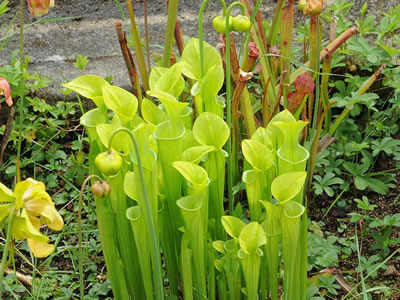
(383, 234)
(323, 185)
(81, 62)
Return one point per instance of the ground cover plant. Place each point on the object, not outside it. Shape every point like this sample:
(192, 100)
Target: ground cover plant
(265, 167)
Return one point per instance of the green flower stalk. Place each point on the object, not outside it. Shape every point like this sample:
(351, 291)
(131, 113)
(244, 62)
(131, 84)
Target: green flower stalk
(200, 32)
(228, 100)
(134, 190)
(273, 32)
(267, 74)
(100, 189)
(155, 253)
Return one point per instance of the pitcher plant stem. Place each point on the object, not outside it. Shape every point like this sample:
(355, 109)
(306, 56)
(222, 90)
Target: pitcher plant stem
(155, 253)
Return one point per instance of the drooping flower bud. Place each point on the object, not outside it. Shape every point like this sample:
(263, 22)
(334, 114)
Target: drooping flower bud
(39, 8)
(313, 7)
(100, 188)
(5, 90)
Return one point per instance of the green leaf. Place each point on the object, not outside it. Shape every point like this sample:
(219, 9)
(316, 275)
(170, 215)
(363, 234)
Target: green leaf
(212, 83)
(121, 142)
(194, 174)
(196, 154)
(191, 61)
(252, 237)
(219, 246)
(155, 75)
(287, 186)
(376, 185)
(172, 106)
(168, 80)
(129, 186)
(89, 86)
(120, 101)
(233, 226)
(151, 113)
(210, 130)
(389, 50)
(258, 155)
(354, 169)
(143, 133)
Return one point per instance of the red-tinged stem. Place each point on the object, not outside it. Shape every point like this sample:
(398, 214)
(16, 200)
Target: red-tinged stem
(138, 47)
(179, 38)
(130, 65)
(286, 43)
(328, 50)
(326, 70)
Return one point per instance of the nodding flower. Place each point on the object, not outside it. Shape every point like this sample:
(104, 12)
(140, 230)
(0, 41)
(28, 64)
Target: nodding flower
(32, 207)
(39, 8)
(6, 91)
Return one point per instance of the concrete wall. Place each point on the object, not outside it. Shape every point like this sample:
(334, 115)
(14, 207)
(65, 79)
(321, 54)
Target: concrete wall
(53, 47)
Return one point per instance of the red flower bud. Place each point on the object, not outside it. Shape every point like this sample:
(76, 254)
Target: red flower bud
(39, 8)
(100, 188)
(313, 7)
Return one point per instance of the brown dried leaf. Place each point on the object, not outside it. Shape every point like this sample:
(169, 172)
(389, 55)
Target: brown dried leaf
(391, 271)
